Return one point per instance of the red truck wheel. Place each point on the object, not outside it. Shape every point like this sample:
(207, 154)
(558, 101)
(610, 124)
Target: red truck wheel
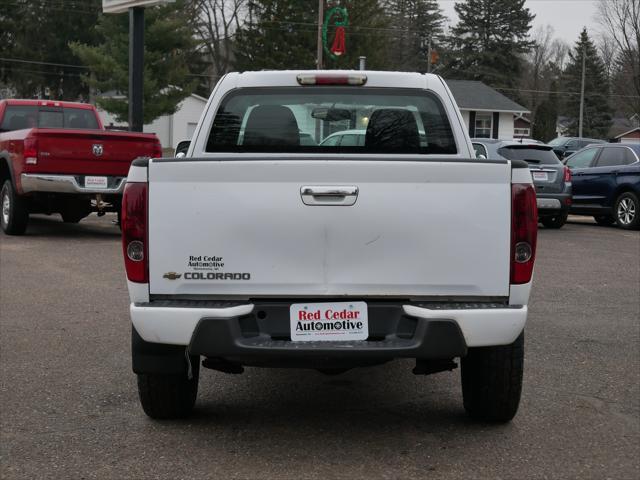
(14, 215)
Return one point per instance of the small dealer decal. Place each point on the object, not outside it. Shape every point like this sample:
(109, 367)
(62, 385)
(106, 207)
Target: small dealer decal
(342, 321)
(209, 267)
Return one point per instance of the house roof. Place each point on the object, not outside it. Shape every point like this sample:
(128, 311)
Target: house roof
(637, 129)
(475, 95)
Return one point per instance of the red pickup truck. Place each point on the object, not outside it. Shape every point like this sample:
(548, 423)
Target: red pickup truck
(56, 157)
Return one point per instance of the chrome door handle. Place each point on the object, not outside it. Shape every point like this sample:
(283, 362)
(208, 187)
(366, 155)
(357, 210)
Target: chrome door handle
(344, 195)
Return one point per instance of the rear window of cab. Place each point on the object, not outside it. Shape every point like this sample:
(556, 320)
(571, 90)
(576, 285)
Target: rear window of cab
(19, 117)
(300, 119)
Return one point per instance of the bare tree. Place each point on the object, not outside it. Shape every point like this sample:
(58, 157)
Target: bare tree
(621, 22)
(538, 61)
(608, 50)
(217, 21)
(543, 64)
(559, 54)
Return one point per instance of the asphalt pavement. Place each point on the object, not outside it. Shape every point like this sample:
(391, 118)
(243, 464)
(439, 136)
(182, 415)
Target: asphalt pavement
(69, 407)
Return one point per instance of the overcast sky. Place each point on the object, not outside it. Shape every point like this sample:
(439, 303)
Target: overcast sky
(567, 17)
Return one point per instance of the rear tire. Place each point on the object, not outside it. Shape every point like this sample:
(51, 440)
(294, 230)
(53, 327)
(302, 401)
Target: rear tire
(14, 212)
(554, 222)
(627, 211)
(492, 381)
(604, 220)
(169, 396)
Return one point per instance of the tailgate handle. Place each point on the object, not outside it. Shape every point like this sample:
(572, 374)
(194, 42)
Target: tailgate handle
(344, 195)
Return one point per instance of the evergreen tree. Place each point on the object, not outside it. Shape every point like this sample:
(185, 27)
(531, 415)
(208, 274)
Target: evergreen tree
(277, 34)
(546, 118)
(169, 56)
(40, 31)
(418, 22)
(282, 34)
(488, 41)
(597, 111)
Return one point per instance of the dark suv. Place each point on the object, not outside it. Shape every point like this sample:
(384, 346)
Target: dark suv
(550, 177)
(606, 183)
(565, 146)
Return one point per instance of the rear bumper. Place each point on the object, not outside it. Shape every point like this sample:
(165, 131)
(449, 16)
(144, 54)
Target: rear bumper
(250, 332)
(553, 203)
(50, 183)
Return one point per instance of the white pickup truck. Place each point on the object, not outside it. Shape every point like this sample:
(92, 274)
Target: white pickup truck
(274, 243)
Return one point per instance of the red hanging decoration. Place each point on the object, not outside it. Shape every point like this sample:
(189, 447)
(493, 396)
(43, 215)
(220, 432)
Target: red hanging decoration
(339, 45)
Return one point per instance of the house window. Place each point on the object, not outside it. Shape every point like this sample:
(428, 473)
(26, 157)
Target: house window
(484, 125)
(521, 132)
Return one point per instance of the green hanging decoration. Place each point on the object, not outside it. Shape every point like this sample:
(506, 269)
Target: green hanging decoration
(338, 47)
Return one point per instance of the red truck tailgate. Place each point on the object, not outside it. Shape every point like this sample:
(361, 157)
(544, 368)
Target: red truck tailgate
(94, 152)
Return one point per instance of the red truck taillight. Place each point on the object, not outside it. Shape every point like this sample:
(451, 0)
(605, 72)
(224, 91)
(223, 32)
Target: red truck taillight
(134, 232)
(524, 232)
(30, 151)
(567, 174)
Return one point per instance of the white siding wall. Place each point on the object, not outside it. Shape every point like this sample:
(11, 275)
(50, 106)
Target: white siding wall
(162, 128)
(505, 126)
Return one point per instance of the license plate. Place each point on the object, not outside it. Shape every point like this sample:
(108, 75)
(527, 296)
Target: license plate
(329, 322)
(95, 182)
(540, 176)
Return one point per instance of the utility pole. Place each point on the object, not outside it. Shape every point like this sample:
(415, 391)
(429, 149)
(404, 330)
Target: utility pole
(320, 22)
(580, 122)
(429, 56)
(136, 67)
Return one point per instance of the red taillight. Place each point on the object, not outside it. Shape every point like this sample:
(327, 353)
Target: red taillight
(567, 174)
(524, 232)
(157, 150)
(134, 232)
(30, 151)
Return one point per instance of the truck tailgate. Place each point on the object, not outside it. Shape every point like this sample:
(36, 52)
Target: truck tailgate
(241, 228)
(68, 151)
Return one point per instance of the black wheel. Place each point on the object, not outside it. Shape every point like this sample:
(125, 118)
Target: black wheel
(604, 220)
(14, 214)
(627, 212)
(169, 396)
(556, 221)
(492, 381)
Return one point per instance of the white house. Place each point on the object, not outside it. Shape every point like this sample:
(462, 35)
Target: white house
(170, 129)
(486, 112)
(632, 136)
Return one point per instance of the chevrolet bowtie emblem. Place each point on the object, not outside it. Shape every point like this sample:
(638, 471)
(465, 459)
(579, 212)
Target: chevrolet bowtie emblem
(172, 275)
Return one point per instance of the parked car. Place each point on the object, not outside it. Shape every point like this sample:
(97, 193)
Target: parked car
(551, 178)
(260, 252)
(345, 138)
(606, 183)
(354, 138)
(565, 146)
(56, 157)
